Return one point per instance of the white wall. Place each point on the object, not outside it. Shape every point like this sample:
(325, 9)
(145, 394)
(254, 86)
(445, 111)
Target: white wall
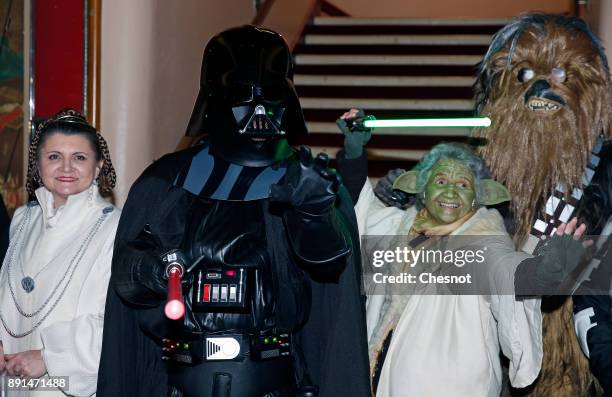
(605, 27)
(150, 70)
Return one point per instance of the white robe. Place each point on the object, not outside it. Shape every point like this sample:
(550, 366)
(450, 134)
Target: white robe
(448, 345)
(71, 336)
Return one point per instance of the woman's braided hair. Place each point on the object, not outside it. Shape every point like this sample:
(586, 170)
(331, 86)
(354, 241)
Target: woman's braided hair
(70, 122)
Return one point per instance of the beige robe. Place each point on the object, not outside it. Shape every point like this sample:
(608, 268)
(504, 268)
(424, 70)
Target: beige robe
(71, 336)
(449, 345)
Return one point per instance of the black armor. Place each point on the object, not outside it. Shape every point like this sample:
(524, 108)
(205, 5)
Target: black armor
(269, 237)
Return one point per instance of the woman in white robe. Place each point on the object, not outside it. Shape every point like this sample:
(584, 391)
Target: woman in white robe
(448, 345)
(55, 275)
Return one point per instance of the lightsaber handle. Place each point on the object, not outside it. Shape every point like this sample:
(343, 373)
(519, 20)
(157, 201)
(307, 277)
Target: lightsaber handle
(175, 306)
(359, 124)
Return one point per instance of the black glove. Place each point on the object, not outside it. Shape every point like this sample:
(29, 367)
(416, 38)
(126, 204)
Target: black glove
(393, 198)
(310, 190)
(157, 280)
(546, 272)
(309, 186)
(355, 134)
(139, 272)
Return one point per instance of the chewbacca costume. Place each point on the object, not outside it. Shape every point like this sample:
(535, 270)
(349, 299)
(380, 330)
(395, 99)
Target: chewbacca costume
(545, 84)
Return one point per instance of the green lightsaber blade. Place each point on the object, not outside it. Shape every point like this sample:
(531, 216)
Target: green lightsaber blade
(424, 123)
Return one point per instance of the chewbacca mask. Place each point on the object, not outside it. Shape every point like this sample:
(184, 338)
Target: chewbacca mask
(545, 84)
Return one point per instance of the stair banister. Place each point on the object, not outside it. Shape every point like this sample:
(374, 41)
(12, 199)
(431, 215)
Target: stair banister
(287, 17)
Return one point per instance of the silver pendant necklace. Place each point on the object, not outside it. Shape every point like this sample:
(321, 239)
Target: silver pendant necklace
(27, 282)
(76, 259)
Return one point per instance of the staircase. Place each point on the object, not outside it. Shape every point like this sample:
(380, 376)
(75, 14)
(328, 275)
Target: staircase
(392, 68)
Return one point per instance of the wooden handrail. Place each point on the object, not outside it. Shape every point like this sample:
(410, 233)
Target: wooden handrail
(287, 17)
(333, 10)
(263, 12)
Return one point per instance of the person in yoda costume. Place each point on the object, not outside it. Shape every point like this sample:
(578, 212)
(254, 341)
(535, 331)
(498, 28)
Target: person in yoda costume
(424, 344)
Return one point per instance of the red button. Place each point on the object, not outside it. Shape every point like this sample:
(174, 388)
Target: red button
(206, 292)
(230, 273)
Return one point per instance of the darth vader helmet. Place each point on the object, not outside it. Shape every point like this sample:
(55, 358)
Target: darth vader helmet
(247, 102)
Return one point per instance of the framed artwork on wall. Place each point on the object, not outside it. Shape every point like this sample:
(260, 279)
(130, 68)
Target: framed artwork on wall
(14, 95)
(49, 60)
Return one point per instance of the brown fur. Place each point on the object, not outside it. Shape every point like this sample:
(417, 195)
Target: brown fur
(565, 369)
(529, 152)
(532, 152)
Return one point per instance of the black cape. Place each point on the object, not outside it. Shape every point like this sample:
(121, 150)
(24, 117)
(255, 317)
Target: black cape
(5, 222)
(334, 339)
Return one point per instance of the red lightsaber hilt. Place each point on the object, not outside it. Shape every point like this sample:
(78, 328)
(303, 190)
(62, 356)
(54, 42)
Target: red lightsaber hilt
(175, 306)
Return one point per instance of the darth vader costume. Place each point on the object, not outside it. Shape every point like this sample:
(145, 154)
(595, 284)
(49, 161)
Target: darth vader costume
(4, 230)
(267, 239)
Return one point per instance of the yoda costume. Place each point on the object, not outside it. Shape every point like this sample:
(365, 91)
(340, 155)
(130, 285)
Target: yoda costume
(449, 345)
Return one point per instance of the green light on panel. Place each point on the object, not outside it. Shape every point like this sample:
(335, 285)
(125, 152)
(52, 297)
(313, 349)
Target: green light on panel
(424, 123)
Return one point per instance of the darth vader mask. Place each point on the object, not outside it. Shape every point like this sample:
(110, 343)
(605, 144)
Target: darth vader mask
(247, 103)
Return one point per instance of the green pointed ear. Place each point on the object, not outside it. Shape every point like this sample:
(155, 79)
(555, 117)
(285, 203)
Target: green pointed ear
(493, 192)
(407, 182)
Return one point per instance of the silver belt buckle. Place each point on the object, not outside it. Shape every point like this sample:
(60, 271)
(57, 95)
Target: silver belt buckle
(222, 348)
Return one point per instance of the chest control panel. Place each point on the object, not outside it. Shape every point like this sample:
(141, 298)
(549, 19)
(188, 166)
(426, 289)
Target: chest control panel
(270, 346)
(221, 289)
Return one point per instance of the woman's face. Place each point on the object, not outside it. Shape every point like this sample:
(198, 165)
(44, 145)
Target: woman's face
(450, 191)
(67, 165)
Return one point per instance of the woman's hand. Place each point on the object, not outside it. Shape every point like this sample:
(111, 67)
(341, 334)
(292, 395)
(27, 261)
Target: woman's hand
(28, 364)
(578, 232)
(2, 360)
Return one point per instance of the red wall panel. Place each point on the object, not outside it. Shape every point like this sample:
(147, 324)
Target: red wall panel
(58, 55)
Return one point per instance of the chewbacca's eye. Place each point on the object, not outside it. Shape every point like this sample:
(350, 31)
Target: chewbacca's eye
(525, 74)
(558, 75)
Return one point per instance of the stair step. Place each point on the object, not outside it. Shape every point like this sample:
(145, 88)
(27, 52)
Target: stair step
(392, 150)
(381, 49)
(329, 115)
(318, 127)
(308, 59)
(390, 70)
(457, 39)
(364, 92)
(401, 30)
(376, 154)
(393, 68)
(383, 81)
(380, 168)
(382, 141)
(352, 21)
(399, 104)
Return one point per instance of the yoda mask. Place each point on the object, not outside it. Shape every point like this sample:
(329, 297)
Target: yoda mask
(451, 183)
